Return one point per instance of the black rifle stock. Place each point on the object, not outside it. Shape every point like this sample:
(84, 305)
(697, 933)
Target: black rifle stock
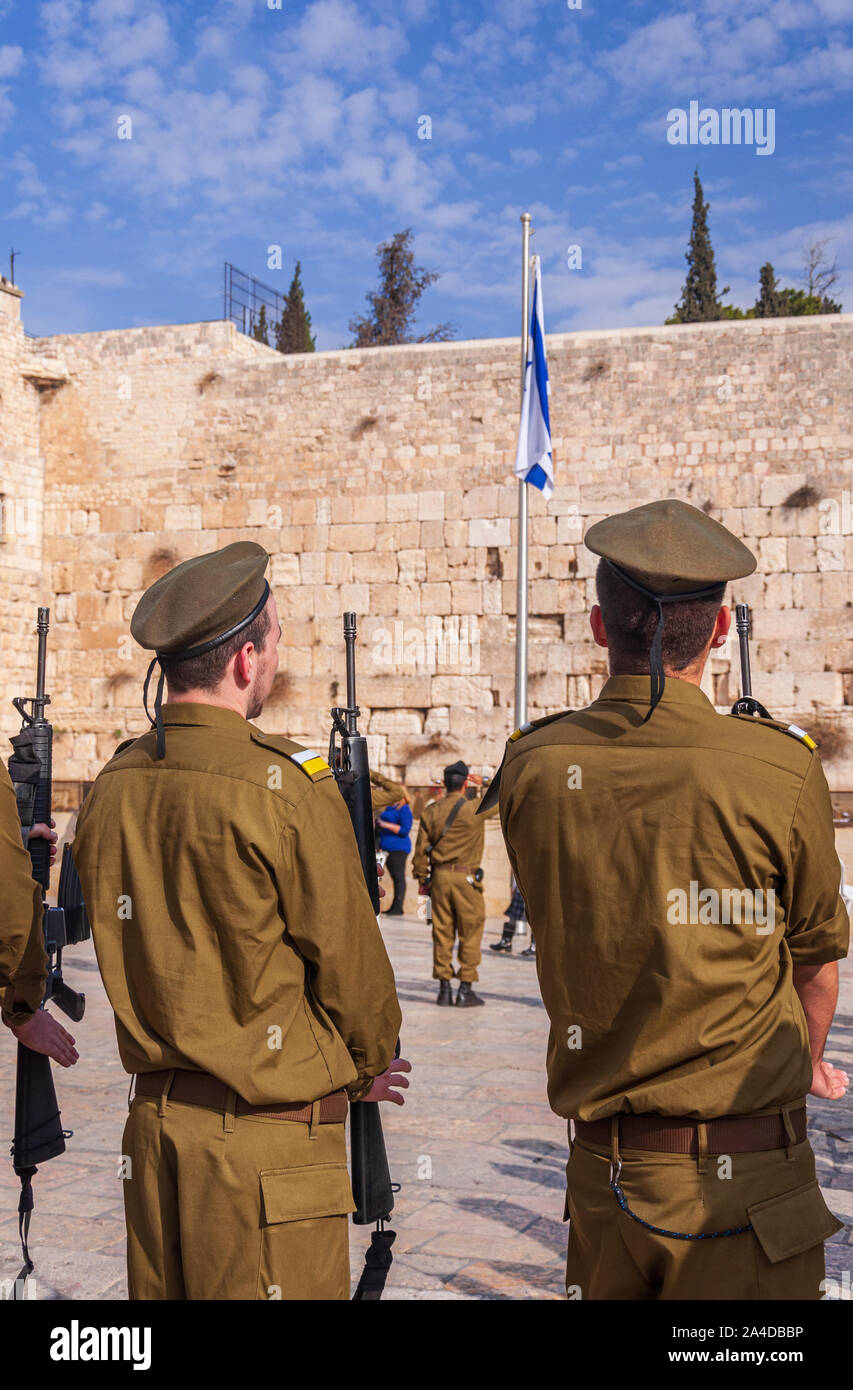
(373, 1190)
(39, 1135)
(746, 704)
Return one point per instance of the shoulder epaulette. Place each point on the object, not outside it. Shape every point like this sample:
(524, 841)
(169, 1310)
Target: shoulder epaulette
(537, 724)
(491, 794)
(122, 747)
(312, 763)
(793, 729)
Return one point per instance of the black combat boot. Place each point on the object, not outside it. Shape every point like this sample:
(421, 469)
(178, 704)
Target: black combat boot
(530, 953)
(465, 996)
(444, 995)
(505, 943)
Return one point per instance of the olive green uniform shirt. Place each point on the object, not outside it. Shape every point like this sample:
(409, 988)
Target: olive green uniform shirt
(462, 843)
(23, 963)
(384, 792)
(233, 928)
(604, 816)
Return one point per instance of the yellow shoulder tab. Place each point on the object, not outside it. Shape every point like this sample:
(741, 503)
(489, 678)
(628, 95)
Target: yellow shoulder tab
(800, 734)
(793, 729)
(312, 763)
(537, 724)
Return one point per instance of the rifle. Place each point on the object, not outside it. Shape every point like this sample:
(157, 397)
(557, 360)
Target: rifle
(39, 1135)
(746, 704)
(371, 1178)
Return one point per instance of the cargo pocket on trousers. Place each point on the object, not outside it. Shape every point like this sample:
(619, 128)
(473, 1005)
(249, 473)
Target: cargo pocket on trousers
(794, 1224)
(304, 1235)
(306, 1193)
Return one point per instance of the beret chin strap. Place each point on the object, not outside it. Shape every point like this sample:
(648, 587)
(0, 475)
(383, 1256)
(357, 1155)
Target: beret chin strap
(157, 721)
(656, 671)
(187, 655)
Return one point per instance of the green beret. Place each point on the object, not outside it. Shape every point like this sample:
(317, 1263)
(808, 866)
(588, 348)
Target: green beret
(203, 601)
(458, 769)
(670, 547)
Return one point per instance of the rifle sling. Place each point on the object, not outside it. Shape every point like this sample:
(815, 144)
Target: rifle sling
(447, 824)
(25, 1211)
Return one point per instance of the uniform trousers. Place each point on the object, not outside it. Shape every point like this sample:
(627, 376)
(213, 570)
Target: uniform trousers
(458, 911)
(611, 1256)
(234, 1207)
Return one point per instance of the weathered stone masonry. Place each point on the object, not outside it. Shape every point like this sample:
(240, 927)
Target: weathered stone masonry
(381, 481)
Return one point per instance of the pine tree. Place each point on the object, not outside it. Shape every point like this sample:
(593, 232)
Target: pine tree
(293, 330)
(393, 305)
(699, 302)
(771, 301)
(260, 332)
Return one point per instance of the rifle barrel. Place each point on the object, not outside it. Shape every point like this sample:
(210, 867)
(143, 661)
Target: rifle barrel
(743, 624)
(42, 627)
(349, 639)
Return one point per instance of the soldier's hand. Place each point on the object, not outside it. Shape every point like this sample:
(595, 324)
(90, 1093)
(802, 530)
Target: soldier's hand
(829, 1082)
(382, 1088)
(46, 832)
(42, 1033)
(422, 890)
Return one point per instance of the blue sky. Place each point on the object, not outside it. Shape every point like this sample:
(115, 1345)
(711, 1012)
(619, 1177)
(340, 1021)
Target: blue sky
(255, 126)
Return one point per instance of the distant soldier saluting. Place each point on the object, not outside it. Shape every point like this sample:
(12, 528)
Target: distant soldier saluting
(240, 952)
(448, 852)
(680, 871)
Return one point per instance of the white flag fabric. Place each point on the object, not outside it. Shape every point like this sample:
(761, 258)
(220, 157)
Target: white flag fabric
(533, 460)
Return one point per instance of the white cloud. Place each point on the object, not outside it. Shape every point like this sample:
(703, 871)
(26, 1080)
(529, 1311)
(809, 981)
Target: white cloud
(11, 59)
(527, 157)
(94, 275)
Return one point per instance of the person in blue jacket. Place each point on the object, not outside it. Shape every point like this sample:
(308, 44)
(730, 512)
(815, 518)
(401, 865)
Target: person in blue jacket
(394, 823)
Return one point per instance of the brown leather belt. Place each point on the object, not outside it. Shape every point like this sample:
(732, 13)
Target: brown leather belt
(200, 1088)
(672, 1134)
(456, 868)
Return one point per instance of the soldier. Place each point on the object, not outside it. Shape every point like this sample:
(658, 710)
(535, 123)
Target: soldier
(682, 880)
(385, 793)
(447, 854)
(239, 948)
(23, 963)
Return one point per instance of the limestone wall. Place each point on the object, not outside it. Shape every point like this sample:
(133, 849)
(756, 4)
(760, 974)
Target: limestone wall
(381, 481)
(21, 501)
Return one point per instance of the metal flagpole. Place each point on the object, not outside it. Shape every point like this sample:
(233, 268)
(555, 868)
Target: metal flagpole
(521, 585)
(521, 589)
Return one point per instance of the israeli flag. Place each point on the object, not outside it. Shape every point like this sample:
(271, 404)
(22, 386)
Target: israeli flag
(533, 460)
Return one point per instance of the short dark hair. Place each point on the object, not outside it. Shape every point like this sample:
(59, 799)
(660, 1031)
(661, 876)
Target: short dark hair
(206, 671)
(454, 781)
(630, 621)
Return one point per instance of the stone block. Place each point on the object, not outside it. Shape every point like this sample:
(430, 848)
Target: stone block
(485, 532)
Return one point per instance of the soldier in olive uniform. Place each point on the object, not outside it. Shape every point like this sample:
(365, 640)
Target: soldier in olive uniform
(448, 852)
(23, 963)
(240, 952)
(683, 885)
(384, 792)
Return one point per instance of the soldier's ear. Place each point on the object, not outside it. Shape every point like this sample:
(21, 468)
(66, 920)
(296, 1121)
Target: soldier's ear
(596, 622)
(721, 627)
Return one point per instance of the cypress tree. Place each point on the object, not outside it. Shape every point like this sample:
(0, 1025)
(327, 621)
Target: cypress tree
(260, 332)
(771, 302)
(699, 301)
(293, 331)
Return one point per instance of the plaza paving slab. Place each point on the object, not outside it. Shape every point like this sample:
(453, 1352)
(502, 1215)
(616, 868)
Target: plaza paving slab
(478, 1154)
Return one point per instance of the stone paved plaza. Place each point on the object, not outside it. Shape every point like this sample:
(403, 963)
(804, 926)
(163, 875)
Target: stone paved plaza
(478, 1153)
